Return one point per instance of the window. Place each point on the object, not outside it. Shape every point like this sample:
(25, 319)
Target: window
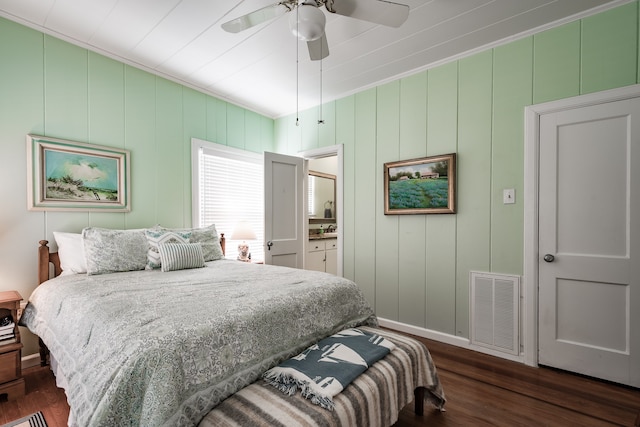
(311, 208)
(228, 186)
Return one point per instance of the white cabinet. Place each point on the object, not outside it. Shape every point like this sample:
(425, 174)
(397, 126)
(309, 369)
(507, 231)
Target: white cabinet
(331, 256)
(322, 255)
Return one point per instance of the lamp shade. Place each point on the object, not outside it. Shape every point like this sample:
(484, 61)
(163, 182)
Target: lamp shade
(243, 231)
(307, 23)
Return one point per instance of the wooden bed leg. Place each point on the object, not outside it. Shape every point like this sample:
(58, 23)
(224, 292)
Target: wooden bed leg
(44, 351)
(418, 394)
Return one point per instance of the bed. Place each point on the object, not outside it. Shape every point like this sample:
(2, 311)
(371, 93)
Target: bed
(184, 339)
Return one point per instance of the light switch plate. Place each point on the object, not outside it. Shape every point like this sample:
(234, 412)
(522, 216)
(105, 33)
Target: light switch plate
(508, 196)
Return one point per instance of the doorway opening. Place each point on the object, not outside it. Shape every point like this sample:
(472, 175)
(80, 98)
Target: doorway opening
(330, 159)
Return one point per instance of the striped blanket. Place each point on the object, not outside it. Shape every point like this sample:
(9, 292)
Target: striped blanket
(375, 398)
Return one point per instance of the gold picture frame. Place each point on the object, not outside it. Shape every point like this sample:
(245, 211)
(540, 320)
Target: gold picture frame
(420, 186)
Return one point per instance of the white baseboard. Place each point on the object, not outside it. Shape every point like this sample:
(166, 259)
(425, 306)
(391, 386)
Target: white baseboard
(446, 338)
(31, 360)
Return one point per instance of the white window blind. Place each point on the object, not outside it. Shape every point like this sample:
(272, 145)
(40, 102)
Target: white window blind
(231, 189)
(310, 199)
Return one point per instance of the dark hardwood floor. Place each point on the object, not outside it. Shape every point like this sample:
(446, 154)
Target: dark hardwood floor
(481, 390)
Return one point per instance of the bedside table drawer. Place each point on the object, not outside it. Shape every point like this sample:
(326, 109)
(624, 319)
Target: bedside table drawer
(10, 366)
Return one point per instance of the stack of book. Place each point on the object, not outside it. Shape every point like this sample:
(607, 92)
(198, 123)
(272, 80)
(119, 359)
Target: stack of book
(7, 330)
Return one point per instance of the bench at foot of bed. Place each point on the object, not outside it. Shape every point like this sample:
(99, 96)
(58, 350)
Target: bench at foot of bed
(375, 398)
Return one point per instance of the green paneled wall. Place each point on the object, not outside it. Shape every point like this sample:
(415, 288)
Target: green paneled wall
(610, 38)
(415, 268)
(50, 87)
(386, 227)
(473, 220)
(411, 254)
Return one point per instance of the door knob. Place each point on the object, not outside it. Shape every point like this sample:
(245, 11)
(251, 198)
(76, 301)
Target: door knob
(549, 258)
(269, 244)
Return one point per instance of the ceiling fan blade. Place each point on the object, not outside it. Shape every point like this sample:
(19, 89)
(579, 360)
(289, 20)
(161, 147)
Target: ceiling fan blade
(376, 11)
(254, 18)
(319, 48)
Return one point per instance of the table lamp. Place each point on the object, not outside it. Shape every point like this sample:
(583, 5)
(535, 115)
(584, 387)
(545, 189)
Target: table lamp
(243, 231)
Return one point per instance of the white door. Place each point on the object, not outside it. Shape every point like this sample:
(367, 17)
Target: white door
(285, 227)
(589, 241)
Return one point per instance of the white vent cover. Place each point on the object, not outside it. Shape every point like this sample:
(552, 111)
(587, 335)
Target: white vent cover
(495, 302)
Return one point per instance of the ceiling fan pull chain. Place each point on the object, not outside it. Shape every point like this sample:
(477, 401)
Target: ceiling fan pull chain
(320, 119)
(297, 73)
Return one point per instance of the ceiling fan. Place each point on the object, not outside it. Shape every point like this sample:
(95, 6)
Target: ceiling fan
(308, 21)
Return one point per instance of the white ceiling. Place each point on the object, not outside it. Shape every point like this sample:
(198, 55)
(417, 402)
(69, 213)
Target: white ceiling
(256, 69)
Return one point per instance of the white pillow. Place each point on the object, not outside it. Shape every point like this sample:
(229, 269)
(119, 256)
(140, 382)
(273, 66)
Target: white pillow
(71, 253)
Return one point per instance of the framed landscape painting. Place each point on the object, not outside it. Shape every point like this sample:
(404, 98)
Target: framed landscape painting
(74, 176)
(420, 186)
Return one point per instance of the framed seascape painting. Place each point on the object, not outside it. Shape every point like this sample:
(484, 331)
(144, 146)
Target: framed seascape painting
(420, 186)
(74, 176)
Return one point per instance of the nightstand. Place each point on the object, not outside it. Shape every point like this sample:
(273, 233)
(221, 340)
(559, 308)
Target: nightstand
(11, 381)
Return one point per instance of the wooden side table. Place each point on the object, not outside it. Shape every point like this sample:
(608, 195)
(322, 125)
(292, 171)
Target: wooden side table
(11, 381)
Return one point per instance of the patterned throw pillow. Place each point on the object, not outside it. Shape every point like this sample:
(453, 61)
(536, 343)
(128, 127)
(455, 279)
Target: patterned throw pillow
(180, 256)
(110, 251)
(156, 237)
(207, 236)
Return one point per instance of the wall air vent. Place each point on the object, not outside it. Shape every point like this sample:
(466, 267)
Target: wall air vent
(494, 317)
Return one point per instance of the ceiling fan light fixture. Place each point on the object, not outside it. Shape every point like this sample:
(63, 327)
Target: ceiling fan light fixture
(307, 23)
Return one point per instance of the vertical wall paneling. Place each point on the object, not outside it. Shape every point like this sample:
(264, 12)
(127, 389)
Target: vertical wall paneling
(365, 188)
(281, 134)
(106, 118)
(195, 115)
(267, 131)
(442, 133)
(412, 250)
(345, 134)
(66, 110)
(253, 139)
(194, 119)
(66, 97)
(216, 121)
(512, 91)
(169, 144)
(327, 130)
(106, 100)
(556, 63)
(295, 135)
(610, 49)
(473, 220)
(235, 126)
(387, 150)
(21, 112)
(309, 129)
(140, 139)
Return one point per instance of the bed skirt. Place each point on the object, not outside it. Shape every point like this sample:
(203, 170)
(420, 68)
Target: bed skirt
(375, 398)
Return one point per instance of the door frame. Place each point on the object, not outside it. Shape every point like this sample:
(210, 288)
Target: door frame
(318, 153)
(531, 201)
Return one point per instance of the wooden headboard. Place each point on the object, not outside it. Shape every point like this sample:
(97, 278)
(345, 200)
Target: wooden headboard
(46, 257)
